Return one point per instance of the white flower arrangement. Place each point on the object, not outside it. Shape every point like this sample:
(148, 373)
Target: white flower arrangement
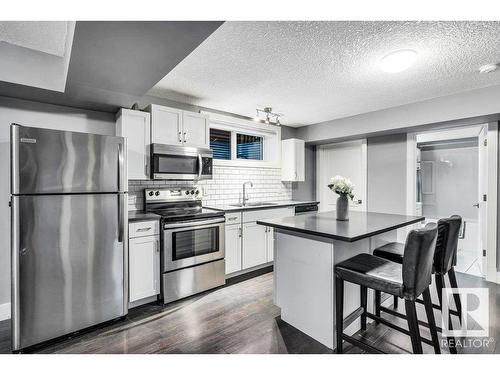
(342, 186)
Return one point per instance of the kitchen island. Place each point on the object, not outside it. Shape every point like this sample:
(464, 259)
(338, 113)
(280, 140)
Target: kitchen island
(305, 251)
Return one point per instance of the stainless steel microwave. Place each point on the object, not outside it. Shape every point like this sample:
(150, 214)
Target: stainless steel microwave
(170, 162)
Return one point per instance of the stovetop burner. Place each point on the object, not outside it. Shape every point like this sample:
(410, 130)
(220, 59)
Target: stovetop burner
(178, 204)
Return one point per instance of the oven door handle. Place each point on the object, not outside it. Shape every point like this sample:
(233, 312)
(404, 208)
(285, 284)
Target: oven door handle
(200, 165)
(194, 223)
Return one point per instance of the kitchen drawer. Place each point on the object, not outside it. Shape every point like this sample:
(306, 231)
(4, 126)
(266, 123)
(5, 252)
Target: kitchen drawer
(233, 218)
(143, 228)
(271, 213)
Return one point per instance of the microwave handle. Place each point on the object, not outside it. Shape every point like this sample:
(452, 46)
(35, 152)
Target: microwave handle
(200, 166)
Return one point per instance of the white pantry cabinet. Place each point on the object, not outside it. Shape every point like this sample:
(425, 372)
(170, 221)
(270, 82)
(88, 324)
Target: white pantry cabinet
(292, 160)
(135, 126)
(144, 261)
(173, 126)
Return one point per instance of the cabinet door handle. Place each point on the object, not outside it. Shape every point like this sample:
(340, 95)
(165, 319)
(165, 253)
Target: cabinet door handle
(180, 136)
(240, 232)
(157, 244)
(185, 138)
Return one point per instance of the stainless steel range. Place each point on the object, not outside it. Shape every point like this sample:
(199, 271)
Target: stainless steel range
(192, 242)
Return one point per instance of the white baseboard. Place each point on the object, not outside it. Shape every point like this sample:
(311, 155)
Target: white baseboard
(5, 311)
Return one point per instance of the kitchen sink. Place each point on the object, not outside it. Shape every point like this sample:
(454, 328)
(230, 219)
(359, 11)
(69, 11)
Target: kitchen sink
(254, 204)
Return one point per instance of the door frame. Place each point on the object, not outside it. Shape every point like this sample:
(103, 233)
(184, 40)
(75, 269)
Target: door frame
(364, 165)
(491, 273)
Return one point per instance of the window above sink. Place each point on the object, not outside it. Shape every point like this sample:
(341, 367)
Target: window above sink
(245, 143)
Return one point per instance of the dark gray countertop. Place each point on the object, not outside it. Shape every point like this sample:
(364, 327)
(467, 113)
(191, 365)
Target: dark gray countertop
(229, 208)
(141, 216)
(360, 225)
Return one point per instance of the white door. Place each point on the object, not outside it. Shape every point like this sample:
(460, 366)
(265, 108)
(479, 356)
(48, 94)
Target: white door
(144, 267)
(254, 245)
(166, 125)
(482, 191)
(233, 248)
(136, 126)
(347, 159)
(195, 129)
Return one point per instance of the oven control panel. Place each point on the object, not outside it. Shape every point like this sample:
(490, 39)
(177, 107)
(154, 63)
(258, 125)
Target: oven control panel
(173, 194)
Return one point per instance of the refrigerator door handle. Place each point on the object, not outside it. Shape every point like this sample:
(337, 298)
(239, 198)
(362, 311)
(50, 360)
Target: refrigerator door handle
(120, 167)
(14, 158)
(15, 245)
(121, 213)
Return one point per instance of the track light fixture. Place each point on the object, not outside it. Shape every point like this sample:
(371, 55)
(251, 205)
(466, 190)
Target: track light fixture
(269, 116)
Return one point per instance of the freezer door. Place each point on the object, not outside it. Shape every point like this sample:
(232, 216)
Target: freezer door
(52, 161)
(69, 261)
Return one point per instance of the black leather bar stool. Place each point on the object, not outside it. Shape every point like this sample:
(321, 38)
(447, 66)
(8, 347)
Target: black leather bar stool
(408, 280)
(445, 259)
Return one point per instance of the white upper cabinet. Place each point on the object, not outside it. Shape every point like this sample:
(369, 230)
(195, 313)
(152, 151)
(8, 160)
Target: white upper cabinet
(166, 125)
(292, 160)
(172, 126)
(195, 129)
(135, 126)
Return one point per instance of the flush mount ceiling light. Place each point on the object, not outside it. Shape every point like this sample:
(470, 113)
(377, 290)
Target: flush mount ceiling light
(398, 61)
(488, 68)
(268, 114)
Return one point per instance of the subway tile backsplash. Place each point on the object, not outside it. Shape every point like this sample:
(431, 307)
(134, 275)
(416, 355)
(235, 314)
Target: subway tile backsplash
(224, 188)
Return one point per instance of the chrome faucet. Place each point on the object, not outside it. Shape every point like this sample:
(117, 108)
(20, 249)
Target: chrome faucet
(245, 197)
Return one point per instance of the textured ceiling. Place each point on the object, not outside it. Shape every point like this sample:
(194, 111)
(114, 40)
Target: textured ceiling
(319, 71)
(43, 36)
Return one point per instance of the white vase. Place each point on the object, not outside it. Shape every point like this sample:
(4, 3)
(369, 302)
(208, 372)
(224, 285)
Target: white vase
(342, 208)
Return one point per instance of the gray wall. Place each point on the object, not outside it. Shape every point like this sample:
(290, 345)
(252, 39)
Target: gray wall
(38, 115)
(476, 106)
(387, 174)
(306, 190)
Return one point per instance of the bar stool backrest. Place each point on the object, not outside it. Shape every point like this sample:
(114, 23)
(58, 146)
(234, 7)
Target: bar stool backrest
(445, 256)
(417, 260)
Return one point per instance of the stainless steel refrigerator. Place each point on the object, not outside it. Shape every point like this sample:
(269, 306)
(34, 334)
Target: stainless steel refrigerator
(69, 232)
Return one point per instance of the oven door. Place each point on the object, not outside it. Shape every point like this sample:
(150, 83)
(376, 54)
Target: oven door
(186, 244)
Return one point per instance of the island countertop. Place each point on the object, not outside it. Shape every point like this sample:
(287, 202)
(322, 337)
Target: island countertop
(359, 226)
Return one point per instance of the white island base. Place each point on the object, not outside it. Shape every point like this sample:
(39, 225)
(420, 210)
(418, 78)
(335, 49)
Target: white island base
(304, 280)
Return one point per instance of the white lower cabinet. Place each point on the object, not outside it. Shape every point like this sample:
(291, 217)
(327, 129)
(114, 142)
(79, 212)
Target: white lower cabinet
(233, 248)
(144, 267)
(254, 250)
(247, 243)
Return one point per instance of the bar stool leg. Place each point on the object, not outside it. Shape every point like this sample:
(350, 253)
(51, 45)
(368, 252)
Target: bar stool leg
(411, 317)
(378, 296)
(339, 311)
(453, 283)
(440, 284)
(395, 302)
(430, 319)
(364, 299)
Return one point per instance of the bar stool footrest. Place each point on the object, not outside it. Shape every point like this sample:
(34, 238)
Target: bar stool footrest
(396, 327)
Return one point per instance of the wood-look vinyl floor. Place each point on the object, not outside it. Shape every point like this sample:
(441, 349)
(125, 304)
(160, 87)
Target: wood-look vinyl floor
(238, 318)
